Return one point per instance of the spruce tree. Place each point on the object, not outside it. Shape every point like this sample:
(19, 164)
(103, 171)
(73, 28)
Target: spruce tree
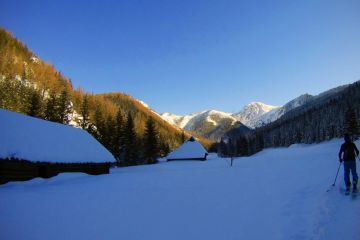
(242, 146)
(109, 135)
(351, 125)
(130, 141)
(24, 74)
(230, 148)
(259, 142)
(222, 148)
(151, 142)
(64, 108)
(51, 109)
(4, 92)
(22, 91)
(119, 136)
(99, 124)
(35, 104)
(84, 111)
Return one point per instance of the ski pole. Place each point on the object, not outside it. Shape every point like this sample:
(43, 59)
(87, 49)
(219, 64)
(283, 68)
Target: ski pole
(337, 173)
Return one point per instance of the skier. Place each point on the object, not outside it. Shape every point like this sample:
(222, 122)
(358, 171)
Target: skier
(347, 153)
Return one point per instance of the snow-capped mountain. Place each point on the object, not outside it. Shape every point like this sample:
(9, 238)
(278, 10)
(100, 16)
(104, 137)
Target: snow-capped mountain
(278, 112)
(252, 113)
(187, 122)
(249, 115)
(256, 114)
(301, 101)
(211, 116)
(210, 123)
(177, 120)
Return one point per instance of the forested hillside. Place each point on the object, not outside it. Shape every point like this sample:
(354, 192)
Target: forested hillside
(329, 115)
(120, 122)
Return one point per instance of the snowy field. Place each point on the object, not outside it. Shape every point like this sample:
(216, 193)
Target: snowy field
(276, 194)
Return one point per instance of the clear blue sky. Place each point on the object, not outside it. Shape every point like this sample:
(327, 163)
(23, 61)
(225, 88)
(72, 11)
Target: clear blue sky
(186, 56)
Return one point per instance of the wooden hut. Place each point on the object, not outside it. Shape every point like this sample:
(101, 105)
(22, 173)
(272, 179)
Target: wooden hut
(32, 147)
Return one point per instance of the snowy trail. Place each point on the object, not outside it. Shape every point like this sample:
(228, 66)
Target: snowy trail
(276, 194)
(342, 216)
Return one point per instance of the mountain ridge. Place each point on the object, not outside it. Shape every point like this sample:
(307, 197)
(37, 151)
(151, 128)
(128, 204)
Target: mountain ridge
(210, 124)
(253, 115)
(249, 112)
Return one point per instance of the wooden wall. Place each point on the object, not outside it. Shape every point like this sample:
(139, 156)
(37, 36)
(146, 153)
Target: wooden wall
(22, 170)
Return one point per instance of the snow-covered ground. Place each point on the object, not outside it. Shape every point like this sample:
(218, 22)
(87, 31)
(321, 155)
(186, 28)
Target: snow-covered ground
(276, 194)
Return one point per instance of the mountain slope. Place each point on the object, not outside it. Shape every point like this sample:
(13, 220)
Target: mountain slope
(23, 75)
(177, 120)
(252, 113)
(210, 124)
(320, 118)
(278, 112)
(303, 100)
(213, 124)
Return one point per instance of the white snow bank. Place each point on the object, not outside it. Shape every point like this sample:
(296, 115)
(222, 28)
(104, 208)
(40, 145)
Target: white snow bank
(37, 140)
(189, 149)
(278, 194)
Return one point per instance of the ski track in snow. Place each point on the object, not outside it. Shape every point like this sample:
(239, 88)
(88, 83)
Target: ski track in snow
(338, 214)
(277, 194)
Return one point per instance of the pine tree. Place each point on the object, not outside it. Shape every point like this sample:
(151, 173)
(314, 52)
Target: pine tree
(109, 135)
(259, 142)
(242, 146)
(99, 124)
(5, 91)
(23, 93)
(222, 148)
(84, 111)
(35, 104)
(64, 108)
(51, 109)
(130, 142)
(151, 142)
(119, 136)
(24, 76)
(351, 125)
(230, 148)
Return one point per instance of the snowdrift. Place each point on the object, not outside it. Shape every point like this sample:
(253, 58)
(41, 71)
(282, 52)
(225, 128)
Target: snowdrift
(37, 140)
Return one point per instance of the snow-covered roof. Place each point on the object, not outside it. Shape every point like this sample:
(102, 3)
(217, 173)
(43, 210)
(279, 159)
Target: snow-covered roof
(190, 149)
(37, 140)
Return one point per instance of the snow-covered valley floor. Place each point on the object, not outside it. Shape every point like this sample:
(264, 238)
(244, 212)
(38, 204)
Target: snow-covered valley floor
(276, 194)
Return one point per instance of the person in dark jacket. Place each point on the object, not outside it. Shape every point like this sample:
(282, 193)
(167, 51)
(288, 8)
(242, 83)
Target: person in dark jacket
(347, 154)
